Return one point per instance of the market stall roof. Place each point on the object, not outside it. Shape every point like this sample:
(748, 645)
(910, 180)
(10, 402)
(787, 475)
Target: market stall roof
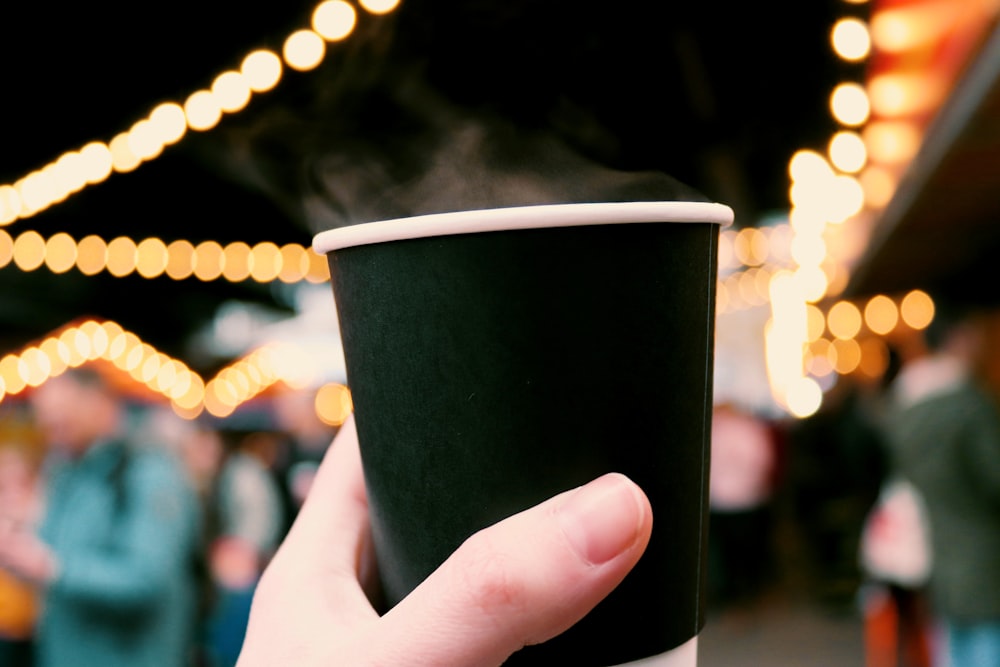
(941, 230)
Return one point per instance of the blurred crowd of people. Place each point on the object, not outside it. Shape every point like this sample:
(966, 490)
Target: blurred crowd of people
(886, 503)
(129, 536)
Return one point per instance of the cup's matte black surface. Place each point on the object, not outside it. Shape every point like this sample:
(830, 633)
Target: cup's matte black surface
(490, 371)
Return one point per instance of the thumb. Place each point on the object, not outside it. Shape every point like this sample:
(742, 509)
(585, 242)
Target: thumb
(521, 581)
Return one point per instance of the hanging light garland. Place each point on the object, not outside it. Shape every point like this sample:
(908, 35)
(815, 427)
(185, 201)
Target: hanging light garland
(152, 258)
(166, 124)
(156, 374)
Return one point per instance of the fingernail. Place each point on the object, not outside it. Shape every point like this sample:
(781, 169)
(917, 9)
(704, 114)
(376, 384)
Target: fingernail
(602, 518)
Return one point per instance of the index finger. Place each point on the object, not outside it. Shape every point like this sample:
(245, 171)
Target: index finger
(330, 537)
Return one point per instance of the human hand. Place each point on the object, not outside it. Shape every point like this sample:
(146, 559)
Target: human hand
(521, 581)
(26, 556)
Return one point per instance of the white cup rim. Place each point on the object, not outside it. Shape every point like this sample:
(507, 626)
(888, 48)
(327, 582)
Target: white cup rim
(521, 217)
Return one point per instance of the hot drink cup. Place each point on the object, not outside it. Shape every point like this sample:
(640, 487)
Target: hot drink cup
(498, 357)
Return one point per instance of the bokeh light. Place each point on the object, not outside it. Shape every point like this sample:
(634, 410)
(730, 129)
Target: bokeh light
(334, 20)
(29, 250)
(60, 253)
(379, 6)
(850, 105)
(844, 320)
(262, 70)
(847, 152)
(91, 255)
(333, 404)
(231, 91)
(881, 314)
(917, 309)
(851, 39)
(303, 50)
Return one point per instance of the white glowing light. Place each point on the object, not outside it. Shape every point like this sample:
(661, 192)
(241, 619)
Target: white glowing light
(262, 70)
(304, 50)
(170, 122)
(231, 91)
(334, 20)
(202, 110)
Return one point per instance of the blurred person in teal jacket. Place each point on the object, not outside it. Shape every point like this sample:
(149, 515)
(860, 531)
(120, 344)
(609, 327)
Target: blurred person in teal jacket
(114, 555)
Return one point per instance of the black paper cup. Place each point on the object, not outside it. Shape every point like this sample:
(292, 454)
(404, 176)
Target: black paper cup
(498, 357)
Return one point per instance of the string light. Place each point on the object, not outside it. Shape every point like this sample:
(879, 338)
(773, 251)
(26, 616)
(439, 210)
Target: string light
(849, 104)
(303, 50)
(379, 6)
(851, 40)
(152, 258)
(231, 91)
(188, 393)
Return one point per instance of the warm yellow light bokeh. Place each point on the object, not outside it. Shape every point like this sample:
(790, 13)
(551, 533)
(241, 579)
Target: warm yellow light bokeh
(847, 355)
(896, 94)
(907, 28)
(144, 141)
(881, 314)
(122, 256)
(303, 50)
(874, 357)
(91, 255)
(6, 248)
(318, 267)
(10, 204)
(851, 40)
(850, 105)
(236, 263)
(208, 260)
(10, 374)
(750, 246)
(891, 142)
(98, 162)
(804, 398)
(878, 184)
(265, 264)
(815, 323)
(917, 309)
(29, 250)
(847, 152)
(379, 6)
(169, 122)
(60, 253)
(294, 264)
(123, 160)
(844, 320)
(231, 91)
(202, 111)
(262, 70)
(808, 165)
(333, 404)
(334, 20)
(151, 257)
(180, 260)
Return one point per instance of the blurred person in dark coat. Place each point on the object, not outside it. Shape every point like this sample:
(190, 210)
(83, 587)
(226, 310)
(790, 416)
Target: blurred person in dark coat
(113, 556)
(944, 437)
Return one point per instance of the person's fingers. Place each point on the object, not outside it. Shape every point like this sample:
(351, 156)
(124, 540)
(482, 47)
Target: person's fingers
(328, 548)
(522, 581)
(337, 504)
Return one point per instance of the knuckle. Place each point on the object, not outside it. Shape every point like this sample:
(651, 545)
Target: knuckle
(490, 577)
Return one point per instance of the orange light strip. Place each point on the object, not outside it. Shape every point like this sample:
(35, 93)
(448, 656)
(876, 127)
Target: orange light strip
(153, 258)
(149, 373)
